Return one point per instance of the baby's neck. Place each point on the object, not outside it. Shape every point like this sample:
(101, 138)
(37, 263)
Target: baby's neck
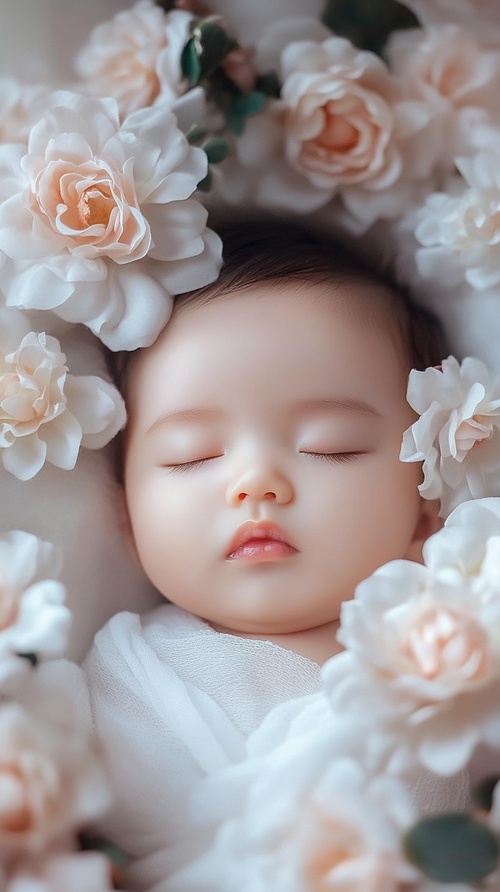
(318, 644)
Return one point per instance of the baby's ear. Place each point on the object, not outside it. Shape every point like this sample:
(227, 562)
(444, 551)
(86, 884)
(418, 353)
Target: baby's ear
(429, 522)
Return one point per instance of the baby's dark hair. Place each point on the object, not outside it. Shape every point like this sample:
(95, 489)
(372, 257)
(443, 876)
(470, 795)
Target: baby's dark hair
(267, 249)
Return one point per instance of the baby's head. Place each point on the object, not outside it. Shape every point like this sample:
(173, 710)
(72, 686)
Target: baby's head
(261, 458)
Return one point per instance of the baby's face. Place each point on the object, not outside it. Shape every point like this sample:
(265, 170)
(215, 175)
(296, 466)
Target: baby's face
(262, 472)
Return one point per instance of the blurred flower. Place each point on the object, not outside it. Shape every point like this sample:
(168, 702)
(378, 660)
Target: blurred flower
(457, 436)
(468, 547)
(51, 778)
(98, 221)
(459, 229)
(34, 621)
(307, 821)
(78, 872)
(46, 413)
(480, 16)
(454, 73)
(136, 57)
(20, 106)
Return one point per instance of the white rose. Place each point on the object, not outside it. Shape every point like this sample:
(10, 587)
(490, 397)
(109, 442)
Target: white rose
(136, 57)
(46, 413)
(98, 222)
(457, 435)
(459, 229)
(34, 622)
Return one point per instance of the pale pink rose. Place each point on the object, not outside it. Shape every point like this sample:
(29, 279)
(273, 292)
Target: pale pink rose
(136, 57)
(349, 130)
(421, 666)
(480, 16)
(454, 73)
(78, 872)
(95, 214)
(51, 779)
(46, 414)
(34, 621)
(425, 634)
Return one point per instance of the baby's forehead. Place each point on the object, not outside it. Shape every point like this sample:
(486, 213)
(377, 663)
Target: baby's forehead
(361, 308)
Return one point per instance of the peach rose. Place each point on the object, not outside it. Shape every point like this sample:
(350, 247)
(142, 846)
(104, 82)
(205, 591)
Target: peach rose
(341, 127)
(455, 74)
(94, 213)
(135, 57)
(51, 779)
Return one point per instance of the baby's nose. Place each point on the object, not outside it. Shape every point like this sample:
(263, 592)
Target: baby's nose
(259, 484)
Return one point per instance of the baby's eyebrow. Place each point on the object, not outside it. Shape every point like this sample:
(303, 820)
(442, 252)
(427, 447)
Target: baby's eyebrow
(334, 403)
(196, 414)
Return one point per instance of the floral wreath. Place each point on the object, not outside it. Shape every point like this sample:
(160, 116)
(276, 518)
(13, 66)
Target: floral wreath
(104, 190)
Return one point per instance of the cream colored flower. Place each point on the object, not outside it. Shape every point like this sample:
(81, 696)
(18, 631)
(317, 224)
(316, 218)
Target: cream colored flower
(51, 779)
(480, 16)
(20, 106)
(136, 57)
(46, 414)
(78, 872)
(457, 436)
(344, 129)
(460, 233)
(454, 73)
(340, 123)
(34, 621)
(98, 222)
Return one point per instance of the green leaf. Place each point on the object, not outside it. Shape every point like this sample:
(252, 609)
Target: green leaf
(195, 134)
(244, 107)
(483, 794)
(31, 658)
(236, 123)
(367, 23)
(269, 84)
(213, 43)
(216, 149)
(249, 104)
(206, 183)
(190, 62)
(452, 848)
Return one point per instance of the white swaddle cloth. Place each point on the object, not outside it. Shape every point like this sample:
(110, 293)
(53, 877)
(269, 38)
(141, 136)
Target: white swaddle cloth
(174, 701)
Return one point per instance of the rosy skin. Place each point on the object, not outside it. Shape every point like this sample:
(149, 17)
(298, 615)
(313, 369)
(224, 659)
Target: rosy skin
(262, 474)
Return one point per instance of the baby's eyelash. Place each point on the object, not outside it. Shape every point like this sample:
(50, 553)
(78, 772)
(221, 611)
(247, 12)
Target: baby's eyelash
(190, 465)
(336, 457)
